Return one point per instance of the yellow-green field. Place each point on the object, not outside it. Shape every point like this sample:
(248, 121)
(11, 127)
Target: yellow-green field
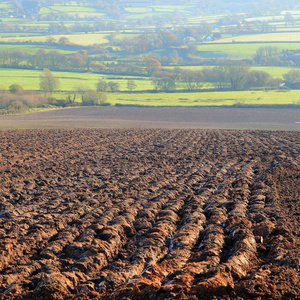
(29, 79)
(32, 49)
(78, 39)
(69, 81)
(265, 37)
(71, 10)
(137, 9)
(208, 98)
(239, 51)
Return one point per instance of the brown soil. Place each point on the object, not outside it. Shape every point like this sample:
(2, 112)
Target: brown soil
(159, 117)
(149, 214)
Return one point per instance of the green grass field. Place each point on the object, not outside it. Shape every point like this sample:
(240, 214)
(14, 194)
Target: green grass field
(29, 79)
(238, 51)
(16, 34)
(265, 37)
(275, 71)
(78, 39)
(137, 9)
(208, 98)
(71, 10)
(69, 81)
(236, 47)
(32, 49)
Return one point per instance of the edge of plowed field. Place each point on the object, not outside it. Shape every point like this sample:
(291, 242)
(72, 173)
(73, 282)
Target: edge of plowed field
(137, 117)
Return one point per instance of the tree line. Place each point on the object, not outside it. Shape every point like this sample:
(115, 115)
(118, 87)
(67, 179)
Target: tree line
(229, 76)
(235, 77)
(96, 60)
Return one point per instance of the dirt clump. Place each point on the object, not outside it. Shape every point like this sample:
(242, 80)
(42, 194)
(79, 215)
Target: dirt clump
(149, 214)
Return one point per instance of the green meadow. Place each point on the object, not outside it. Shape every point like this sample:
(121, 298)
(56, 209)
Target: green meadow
(238, 50)
(31, 36)
(69, 81)
(207, 98)
(71, 10)
(276, 72)
(264, 37)
(31, 49)
(78, 39)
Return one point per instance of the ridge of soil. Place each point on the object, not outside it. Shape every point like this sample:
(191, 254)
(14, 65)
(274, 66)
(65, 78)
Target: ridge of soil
(149, 214)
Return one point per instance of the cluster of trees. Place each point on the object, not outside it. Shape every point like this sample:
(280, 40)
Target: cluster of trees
(164, 39)
(43, 59)
(248, 28)
(49, 83)
(94, 98)
(113, 86)
(231, 76)
(271, 55)
(82, 61)
(61, 28)
(292, 79)
(104, 86)
(228, 76)
(18, 100)
(91, 61)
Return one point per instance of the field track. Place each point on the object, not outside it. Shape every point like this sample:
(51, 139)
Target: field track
(160, 117)
(149, 214)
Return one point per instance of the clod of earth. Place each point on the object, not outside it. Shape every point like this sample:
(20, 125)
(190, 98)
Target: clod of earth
(149, 214)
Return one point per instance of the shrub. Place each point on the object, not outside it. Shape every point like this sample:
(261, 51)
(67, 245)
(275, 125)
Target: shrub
(15, 88)
(94, 98)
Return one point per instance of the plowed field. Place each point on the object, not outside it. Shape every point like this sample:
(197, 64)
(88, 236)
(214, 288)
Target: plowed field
(149, 214)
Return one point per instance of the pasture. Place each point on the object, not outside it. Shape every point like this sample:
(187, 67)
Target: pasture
(31, 49)
(78, 39)
(238, 50)
(227, 98)
(29, 79)
(72, 81)
(69, 81)
(229, 47)
(71, 10)
(264, 37)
